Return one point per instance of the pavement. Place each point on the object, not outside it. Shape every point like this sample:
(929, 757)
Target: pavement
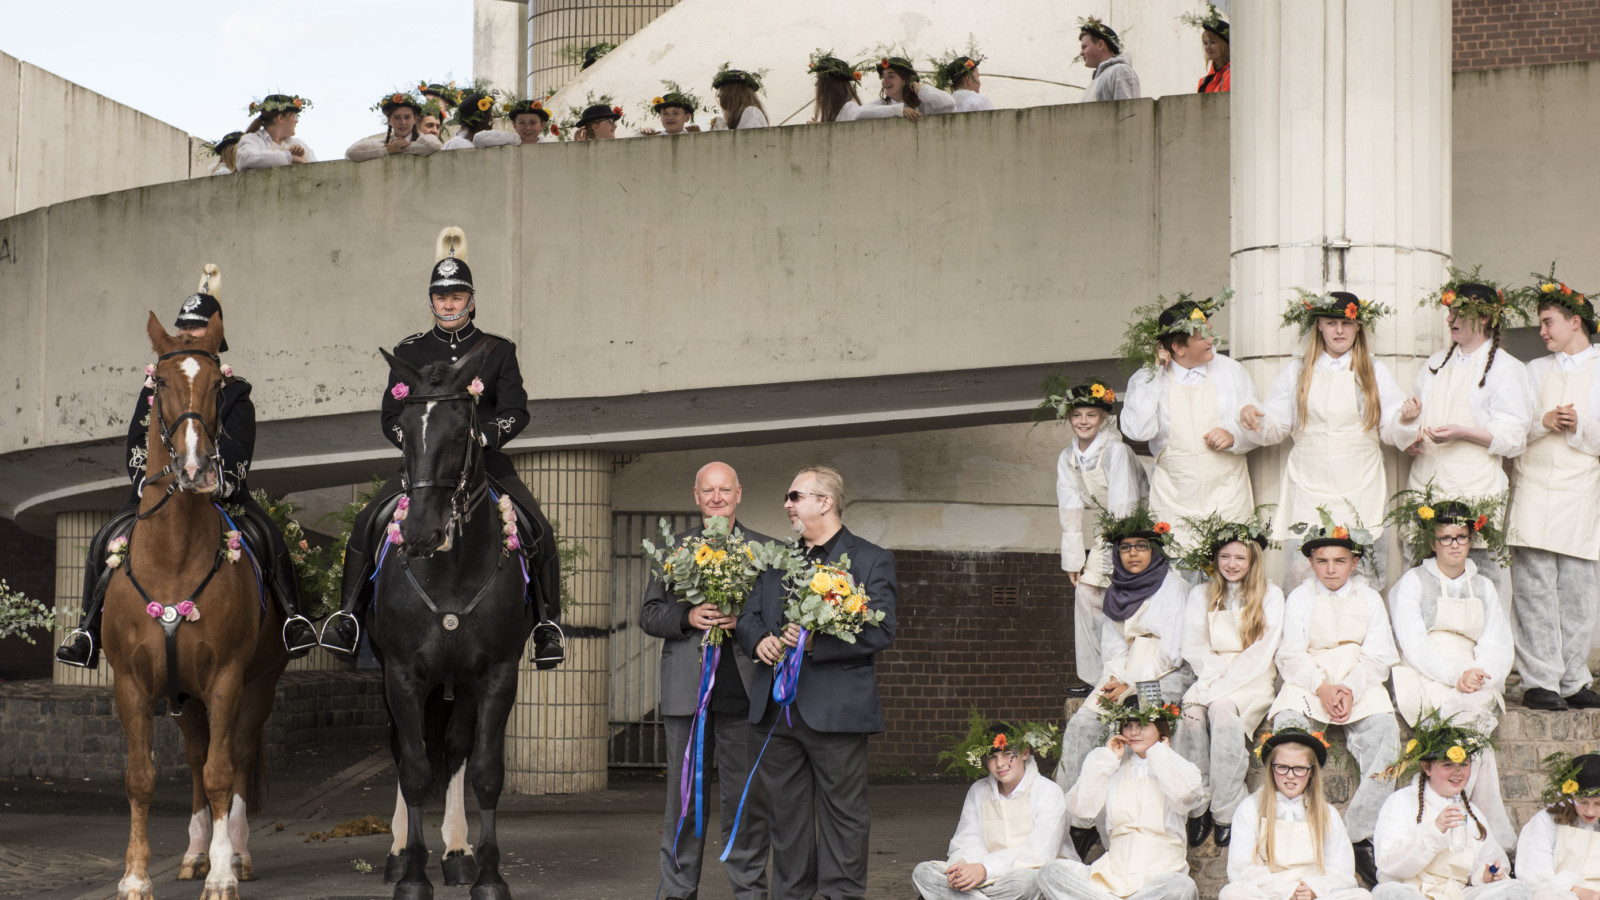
(65, 841)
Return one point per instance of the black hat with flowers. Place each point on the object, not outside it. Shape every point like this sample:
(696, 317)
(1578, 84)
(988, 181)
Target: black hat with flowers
(595, 52)
(901, 64)
(952, 67)
(1571, 777)
(1549, 291)
(1139, 523)
(1315, 741)
(598, 113)
(1213, 532)
(448, 94)
(476, 111)
(1306, 308)
(1093, 27)
(522, 107)
(1328, 533)
(675, 96)
(1212, 21)
(274, 103)
(824, 64)
(226, 141)
(1418, 514)
(1435, 738)
(1061, 397)
(1470, 295)
(970, 753)
(1165, 319)
(727, 75)
(398, 100)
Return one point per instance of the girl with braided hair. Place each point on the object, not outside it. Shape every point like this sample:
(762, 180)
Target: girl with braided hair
(1558, 854)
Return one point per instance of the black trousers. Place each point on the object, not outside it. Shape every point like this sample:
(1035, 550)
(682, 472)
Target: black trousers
(816, 783)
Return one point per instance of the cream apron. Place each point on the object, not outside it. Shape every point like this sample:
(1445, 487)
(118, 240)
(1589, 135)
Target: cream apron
(1296, 853)
(1459, 468)
(1445, 877)
(1578, 853)
(1143, 662)
(1457, 625)
(1094, 483)
(1190, 479)
(1140, 848)
(1007, 823)
(1338, 629)
(1552, 476)
(1333, 462)
(1253, 697)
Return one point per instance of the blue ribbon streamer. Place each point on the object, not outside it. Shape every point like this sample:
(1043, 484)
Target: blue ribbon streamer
(785, 688)
(692, 775)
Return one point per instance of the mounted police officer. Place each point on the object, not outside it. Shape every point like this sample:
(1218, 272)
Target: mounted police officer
(502, 412)
(236, 439)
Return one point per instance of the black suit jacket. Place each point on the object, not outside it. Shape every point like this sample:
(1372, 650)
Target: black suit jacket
(838, 680)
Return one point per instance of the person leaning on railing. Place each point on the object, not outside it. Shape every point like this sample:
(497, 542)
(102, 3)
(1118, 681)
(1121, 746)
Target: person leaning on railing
(401, 112)
(270, 140)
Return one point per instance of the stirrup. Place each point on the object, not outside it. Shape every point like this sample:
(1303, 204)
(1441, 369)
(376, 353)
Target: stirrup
(94, 650)
(322, 636)
(561, 643)
(309, 645)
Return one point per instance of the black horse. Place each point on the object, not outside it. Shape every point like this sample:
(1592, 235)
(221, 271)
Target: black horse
(449, 622)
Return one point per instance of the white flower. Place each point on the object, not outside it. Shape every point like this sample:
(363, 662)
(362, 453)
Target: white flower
(504, 502)
(227, 371)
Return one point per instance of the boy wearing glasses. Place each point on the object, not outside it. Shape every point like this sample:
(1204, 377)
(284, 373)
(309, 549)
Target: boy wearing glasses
(1455, 642)
(1334, 657)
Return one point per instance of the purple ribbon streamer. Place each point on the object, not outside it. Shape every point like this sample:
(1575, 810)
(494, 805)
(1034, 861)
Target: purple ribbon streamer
(785, 687)
(692, 773)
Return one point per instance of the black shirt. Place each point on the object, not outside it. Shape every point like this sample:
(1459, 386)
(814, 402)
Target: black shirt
(503, 408)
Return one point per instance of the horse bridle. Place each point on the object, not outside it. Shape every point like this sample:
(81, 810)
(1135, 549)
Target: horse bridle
(463, 498)
(165, 431)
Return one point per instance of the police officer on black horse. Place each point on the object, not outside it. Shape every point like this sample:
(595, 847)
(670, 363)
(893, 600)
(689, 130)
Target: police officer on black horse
(503, 412)
(236, 439)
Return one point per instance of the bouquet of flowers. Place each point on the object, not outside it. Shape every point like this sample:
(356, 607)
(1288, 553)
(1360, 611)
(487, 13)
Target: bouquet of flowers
(718, 567)
(825, 599)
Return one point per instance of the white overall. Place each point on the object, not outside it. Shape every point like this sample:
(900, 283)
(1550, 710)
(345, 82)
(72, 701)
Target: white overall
(1094, 483)
(1143, 662)
(1140, 846)
(1457, 624)
(1007, 823)
(1296, 852)
(1338, 630)
(1445, 877)
(1333, 463)
(1578, 853)
(1252, 698)
(1189, 478)
(1552, 476)
(1459, 468)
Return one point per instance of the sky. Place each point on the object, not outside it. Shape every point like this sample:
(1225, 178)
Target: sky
(197, 65)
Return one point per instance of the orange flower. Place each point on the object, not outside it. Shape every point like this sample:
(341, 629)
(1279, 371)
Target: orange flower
(617, 110)
(1341, 533)
(398, 97)
(970, 64)
(1318, 735)
(1351, 310)
(1482, 521)
(1306, 303)
(883, 64)
(1162, 528)
(1111, 396)
(1000, 742)
(297, 103)
(1448, 298)
(555, 129)
(856, 75)
(1565, 289)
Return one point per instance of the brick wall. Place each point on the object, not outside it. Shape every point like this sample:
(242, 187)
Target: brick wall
(27, 564)
(1494, 33)
(954, 647)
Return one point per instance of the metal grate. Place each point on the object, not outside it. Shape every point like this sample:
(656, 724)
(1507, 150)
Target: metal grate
(638, 739)
(1005, 595)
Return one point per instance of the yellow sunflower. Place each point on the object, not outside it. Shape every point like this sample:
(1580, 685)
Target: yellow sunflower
(1097, 391)
(702, 555)
(484, 103)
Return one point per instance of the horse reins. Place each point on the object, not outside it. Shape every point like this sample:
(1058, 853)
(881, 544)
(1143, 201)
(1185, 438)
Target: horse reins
(165, 431)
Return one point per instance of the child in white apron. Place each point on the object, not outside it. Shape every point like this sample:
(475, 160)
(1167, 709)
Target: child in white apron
(1096, 472)
(1430, 842)
(1185, 401)
(1232, 624)
(1454, 640)
(1334, 658)
(1139, 791)
(1471, 406)
(1554, 568)
(1339, 405)
(1558, 856)
(1141, 641)
(1289, 839)
(1013, 819)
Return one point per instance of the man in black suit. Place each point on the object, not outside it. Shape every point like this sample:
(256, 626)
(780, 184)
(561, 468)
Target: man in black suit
(817, 757)
(729, 736)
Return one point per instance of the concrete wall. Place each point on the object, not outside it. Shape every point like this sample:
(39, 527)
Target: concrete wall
(60, 141)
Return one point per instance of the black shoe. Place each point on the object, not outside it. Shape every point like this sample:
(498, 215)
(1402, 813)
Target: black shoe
(1541, 698)
(1584, 699)
(299, 636)
(1199, 828)
(1366, 862)
(549, 646)
(341, 635)
(1222, 834)
(79, 649)
(1080, 690)
(1083, 840)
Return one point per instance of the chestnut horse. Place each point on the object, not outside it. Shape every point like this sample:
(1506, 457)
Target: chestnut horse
(185, 622)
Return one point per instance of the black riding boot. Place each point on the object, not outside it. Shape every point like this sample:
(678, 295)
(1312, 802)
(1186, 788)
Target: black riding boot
(299, 635)
(341, 633)
(549, 642)
(82, 646)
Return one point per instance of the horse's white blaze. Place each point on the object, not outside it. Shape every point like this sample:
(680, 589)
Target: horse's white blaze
(399, 823)
(238, 828)
(426, 412)
(190, 368)
(191, 453)
(454, 829)
(199, 833)
(221, 874)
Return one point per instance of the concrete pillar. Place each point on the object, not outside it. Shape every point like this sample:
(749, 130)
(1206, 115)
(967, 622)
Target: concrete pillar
(1340, 167)
(74, 531)
(557, 739)
(500, 44)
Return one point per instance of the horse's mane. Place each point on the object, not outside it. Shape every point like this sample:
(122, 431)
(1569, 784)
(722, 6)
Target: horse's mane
(434, 373)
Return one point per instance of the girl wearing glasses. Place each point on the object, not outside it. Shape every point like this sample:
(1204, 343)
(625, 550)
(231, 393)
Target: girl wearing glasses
(1231, 628)
(1454, 639)
(1558, 854)
(1291, 842)
(1141, 640)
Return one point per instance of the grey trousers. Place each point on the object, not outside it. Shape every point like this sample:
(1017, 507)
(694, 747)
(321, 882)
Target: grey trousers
(1065, 879)
(1216, 742)
(1088, 612)
(819, 835)
(1492, 570)
(1085, 732)
(1374, 742)
(1554, 596)
(733, 742)
(1509, 889)
(1018, 884)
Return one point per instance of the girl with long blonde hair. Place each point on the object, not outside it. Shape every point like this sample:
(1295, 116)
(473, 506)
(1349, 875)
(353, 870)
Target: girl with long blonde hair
(1290, 842)
(1232, 625)
(1340, 406)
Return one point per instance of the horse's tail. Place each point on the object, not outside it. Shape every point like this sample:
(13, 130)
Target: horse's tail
(435, 723)
(255, 783)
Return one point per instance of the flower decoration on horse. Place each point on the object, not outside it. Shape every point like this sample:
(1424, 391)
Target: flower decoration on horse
(718, 566)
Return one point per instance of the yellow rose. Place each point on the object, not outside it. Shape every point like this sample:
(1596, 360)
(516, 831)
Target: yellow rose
(1569, 787)
(821, 583)
(702, 554)
(1547, 288)
(1197, 315)
(1411, 746)
(1424, 512)
(1456, 755)
(857, 603)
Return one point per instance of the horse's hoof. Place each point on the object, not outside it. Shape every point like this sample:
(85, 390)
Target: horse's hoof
(132, 888)
(228, 891)
(412, 890)
(460, 868)
(194, 867)
(394, 868)
(244, 868)
(497, 891)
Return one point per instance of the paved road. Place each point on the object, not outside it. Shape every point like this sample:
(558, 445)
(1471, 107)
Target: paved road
(63, 841)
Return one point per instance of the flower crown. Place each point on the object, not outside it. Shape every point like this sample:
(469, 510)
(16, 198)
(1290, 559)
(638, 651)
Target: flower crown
(226, 141)
(1419, 513)
(395, 101)
(675, 96)
(1328, 531)
(1213, 532)
(1139, 523)
(574, 113)
(893, 61)
(1321, 737)
(1212, 21)
(727, 75)
(1306, 308)
(951, 67)
(1437, 738)
(1114, 715)
(447, 92)
(279, 103)
(1562, 770)
(1061, 397)
(517, 106)
(824, 63)
(1161, 318)
(1472, 296)
(967, 754)
(1101, 30)
(1548, 289)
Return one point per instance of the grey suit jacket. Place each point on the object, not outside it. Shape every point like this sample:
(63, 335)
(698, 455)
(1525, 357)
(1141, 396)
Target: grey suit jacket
(838, 680)
(665, 616)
